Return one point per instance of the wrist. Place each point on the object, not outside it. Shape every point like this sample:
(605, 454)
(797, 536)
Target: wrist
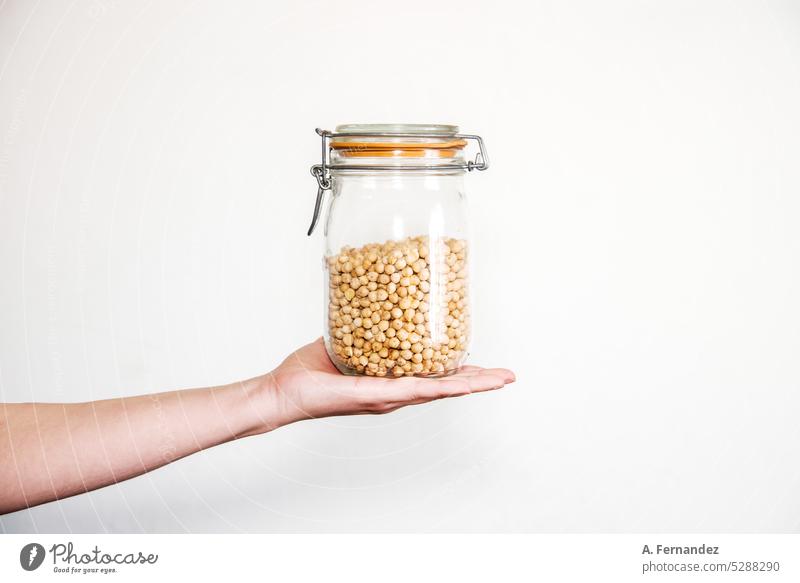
(269, 407)
(259, 406)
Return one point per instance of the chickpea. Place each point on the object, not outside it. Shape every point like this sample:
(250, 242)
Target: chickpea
(384, 306)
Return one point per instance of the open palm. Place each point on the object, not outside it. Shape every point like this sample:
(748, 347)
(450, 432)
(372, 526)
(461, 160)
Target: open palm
(309, 386)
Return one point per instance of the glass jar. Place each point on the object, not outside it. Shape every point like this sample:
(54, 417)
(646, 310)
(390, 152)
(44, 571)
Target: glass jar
(396, 248)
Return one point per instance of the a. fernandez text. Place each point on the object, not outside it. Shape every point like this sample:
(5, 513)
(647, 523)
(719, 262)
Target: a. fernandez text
(65, 554)
(665, 550)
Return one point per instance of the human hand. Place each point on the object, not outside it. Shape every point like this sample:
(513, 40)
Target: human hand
(306, 385)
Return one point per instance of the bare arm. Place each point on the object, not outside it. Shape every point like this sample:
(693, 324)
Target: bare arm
(50, 451)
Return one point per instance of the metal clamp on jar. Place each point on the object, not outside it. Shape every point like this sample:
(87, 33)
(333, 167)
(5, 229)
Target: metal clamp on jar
(396, 247)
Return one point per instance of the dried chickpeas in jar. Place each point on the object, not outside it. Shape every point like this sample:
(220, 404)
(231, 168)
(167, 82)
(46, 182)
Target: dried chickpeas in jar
(399, 308)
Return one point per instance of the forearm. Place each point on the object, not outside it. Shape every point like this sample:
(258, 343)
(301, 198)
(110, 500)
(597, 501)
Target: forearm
(50, 451)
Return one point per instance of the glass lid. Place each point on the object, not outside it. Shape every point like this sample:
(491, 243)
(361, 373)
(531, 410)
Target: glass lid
(365, 129)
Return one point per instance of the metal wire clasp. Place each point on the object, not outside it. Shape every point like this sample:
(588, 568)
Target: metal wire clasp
(324, 182)
(322, 171)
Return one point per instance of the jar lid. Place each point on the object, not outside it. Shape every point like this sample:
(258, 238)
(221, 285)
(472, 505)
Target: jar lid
(366, 129)
(397, 141)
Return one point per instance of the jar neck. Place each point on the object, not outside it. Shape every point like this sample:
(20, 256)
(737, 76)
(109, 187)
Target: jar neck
(399, 163)
(417, 188)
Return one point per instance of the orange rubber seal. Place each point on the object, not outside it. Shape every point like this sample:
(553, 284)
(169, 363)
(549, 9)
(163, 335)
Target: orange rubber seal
(444, 149)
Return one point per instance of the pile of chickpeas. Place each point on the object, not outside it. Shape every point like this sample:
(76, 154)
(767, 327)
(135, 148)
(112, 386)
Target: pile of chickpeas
(399, 308)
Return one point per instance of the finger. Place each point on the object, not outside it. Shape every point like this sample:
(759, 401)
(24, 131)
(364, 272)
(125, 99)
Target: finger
(399, 390)
(410, 390)
(505, 373)
(469, 368)
(485, 382)
(454, 387)
(457, 386)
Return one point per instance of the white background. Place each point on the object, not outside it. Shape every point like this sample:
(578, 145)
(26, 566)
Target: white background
(635, 253)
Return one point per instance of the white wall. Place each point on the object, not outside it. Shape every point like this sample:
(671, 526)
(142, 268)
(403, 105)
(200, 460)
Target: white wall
(636, 253)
